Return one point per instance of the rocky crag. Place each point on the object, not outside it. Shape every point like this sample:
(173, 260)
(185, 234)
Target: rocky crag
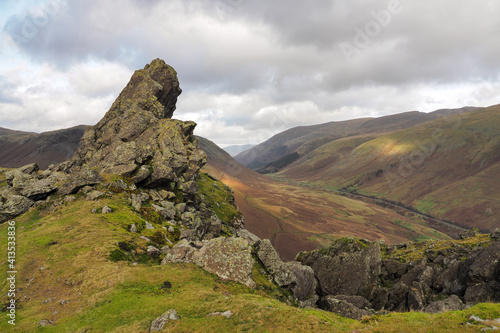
(138, 152)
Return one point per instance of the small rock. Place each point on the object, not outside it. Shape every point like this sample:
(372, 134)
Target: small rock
(158, 324)
(133, 228)
(45, 322)
(145, 238)
(94, 195)
(106, 210)
(153, 251)
(476, 319)
(149, 226)
(171, 229)
(226, 314)
(69, 198)
(94, 210)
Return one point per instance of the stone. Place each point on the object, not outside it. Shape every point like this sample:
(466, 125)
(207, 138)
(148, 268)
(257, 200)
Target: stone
(226, 314)
(85, 176)
(452, 303)
(142, 173)
(358, 301)
(137, 137)
(106, 210)
(149, 226)
(12, 204)
(182, 252)
(94, 195)
(486, 264)
(180, 207)
(45, 323)
(228, 258)
(248, 236)
(341, 307)
(469, 233)
(171, 229)
(145, 238)
(166, 210)
(281, 274)
(159, 323)
(304, 289)
(349, 266)
(133, 228)
(190, 187)
(137, 200)
(153, 251)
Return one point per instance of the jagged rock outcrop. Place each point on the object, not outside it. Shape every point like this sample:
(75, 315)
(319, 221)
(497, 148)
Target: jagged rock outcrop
(356, 277)
(347, 267)
(136, 139)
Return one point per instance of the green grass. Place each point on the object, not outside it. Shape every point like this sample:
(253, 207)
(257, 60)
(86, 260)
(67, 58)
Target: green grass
(219, 198)
(425, 206)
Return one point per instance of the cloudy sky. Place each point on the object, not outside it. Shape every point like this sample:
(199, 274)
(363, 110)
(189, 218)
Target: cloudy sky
(248, 68)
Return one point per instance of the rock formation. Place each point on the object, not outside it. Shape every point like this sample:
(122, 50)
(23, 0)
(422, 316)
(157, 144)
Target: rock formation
(355, 276)
(135, 139)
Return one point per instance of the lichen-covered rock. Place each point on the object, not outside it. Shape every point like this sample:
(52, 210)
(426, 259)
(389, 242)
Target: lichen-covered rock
(181, 252)
(12, 204)
(349, 266)
(228, 258)
(251, 238)
(84, 176)
(26, 182)
(158, 324)
(281, 273)
(136, 138)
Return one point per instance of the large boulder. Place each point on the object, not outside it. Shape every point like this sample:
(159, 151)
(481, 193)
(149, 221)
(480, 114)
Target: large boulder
(350, 266)
(12, 204)
(228, 258)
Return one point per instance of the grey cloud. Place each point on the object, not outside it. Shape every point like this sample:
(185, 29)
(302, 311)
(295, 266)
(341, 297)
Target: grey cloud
(6, 91)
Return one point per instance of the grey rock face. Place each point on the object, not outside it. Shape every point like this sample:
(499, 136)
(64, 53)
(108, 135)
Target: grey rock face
(12, 204)
(348, 267)
(281, 274)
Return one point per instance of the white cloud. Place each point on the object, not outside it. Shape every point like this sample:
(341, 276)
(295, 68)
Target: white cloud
(249, 69)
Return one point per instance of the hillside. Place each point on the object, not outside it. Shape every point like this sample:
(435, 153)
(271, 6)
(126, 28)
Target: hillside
(236, 149)
(67, 282)
(446, 168)
(285, 147)
(20, 148)
(297, 218)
